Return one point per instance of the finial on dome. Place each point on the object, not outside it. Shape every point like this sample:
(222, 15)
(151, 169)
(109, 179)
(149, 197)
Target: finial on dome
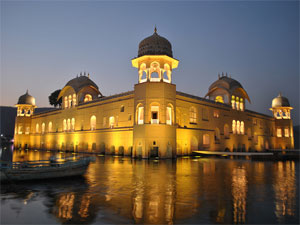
(27, 91)
(155, 29)
(280, 95)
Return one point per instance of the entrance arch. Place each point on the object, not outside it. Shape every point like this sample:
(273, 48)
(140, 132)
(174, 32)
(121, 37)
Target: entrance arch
(194, 144)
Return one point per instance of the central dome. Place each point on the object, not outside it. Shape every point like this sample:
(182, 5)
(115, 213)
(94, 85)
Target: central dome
(80, 82)
(155, 45)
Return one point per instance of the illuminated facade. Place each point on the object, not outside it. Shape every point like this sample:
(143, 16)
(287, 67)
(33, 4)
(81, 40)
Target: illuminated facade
(153, 120)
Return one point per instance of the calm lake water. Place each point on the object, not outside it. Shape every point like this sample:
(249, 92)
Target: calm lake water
(118, 190)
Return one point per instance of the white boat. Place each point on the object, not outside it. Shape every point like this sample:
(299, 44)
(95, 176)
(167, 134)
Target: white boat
(44, 169)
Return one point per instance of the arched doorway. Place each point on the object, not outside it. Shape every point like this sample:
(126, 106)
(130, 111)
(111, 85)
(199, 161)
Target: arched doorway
(194, 144)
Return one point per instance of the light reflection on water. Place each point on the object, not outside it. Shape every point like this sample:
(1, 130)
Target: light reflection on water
(187, 190)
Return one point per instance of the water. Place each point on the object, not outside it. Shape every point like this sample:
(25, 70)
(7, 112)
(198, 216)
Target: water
(119, 190)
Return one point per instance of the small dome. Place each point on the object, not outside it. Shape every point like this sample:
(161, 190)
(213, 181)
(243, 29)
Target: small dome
(155, 45)
(80, 82)
(26, 99)
(280, 101)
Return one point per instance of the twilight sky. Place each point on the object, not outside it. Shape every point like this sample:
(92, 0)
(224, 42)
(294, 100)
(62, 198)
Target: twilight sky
(44, 44)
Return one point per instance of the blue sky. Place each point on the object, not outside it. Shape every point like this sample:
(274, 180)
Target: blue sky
(46, 43)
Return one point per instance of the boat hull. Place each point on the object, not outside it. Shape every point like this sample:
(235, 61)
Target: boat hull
(49, 172)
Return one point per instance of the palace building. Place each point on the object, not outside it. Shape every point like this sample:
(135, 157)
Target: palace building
(153, 120)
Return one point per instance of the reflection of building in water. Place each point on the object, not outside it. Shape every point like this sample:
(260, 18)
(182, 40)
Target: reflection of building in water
(187, 188)
(285, 189)
(239, 194)
(121, 190)
(154, 193)
(84, 206)
(135, 189)
(65, 205)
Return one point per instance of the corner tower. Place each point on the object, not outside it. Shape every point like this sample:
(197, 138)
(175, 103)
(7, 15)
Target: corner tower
(283, 124)
(154, 133)
(25, 109)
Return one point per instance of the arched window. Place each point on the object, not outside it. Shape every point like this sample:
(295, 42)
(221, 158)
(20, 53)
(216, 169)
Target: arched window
(279, 132)
(226, 131)
(111, 122)
(241, 104)
(65, 125)
(242, 128)
(143, 76)
(205, 139)
(238, 127)
(237, 102)
(286, 132)
(233, 126)
(193, 115)
(288, 114)
(66, 102)
(167, 74)
(37, 129)
(93, 122)
(43, 128)
(154, 114)
(278, 114)
(140, 115)
(27, 130)
(122, 109)
(166, 77)
(50, 127)
(70, 101)
(142, 73)
(217, 134)
(69, 124)
(169, 115)
(74, 100)
(233, 101)
(88, 98)
(20, 129)
(154, 76)
(73, 124)
(219, 99)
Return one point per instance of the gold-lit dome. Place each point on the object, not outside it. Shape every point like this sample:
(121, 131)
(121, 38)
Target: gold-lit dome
(155, 45)
(26, 99)
(80, 83)
(280, 101)
(229, 85)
